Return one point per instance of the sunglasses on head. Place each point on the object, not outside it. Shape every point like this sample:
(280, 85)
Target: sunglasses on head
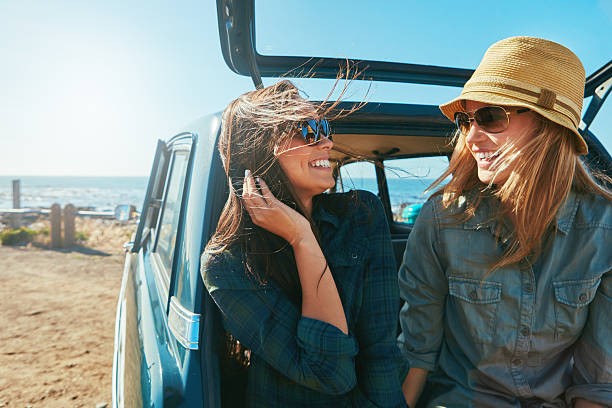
(491, 119)
(312, 130)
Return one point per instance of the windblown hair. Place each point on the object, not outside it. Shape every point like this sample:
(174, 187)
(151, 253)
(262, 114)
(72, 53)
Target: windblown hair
(544, 170)
(253, 127)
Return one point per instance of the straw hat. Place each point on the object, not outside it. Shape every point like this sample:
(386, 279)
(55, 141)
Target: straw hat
(528, 72)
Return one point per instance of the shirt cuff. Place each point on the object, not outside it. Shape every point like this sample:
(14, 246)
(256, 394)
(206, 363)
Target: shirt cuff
(598, 393)
(426, 361)
(315, 336)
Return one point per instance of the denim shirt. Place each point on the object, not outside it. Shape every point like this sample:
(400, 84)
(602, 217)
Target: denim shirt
(507, 339)
(302, 362)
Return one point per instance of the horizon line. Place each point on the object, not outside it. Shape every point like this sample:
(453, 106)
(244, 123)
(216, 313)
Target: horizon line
(68, 175)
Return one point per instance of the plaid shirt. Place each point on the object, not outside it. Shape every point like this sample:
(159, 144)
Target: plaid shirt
(298, 361)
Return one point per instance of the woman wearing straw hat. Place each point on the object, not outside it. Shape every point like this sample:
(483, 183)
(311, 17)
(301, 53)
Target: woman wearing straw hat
(506, 274)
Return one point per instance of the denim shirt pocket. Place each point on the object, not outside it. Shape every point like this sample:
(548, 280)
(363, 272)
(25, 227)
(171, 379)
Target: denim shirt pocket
(571, 311)
(476, 303)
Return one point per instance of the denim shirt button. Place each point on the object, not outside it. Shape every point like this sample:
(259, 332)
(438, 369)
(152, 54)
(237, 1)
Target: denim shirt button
(354, 255)
(582, 297)
(473, 295)
(528, 288)
(525, 331)
(517, 361)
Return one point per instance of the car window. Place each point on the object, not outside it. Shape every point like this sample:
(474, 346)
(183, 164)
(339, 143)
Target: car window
(600, 122)
(168, 223)
(153, 197)
(407, 180)
(357, 176)
(182, 281)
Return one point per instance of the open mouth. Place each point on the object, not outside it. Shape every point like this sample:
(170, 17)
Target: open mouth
(320, 164)
(486, 156)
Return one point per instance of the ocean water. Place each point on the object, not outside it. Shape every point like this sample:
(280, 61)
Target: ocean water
(100, 193)
(104, 193)
(401, 190)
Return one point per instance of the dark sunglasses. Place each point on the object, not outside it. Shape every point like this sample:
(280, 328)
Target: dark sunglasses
(313, 130)
(492, 119)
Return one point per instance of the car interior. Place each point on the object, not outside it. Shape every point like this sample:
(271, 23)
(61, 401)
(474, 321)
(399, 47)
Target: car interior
(374, 135)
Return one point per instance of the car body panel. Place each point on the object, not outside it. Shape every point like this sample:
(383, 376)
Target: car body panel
(237, 35)
(151, 366)
(126, 389)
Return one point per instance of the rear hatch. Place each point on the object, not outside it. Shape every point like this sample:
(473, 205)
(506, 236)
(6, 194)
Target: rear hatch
(431, 43)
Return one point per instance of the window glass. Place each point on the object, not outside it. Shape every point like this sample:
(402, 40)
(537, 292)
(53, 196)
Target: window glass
(158, 189)
(168, 224)
(600, 126)
(357, 176)
(182, 281)
(407, 180)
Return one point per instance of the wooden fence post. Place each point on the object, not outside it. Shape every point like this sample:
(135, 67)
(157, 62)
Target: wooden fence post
(56, 226)
(69, 230)
(16, 218)
(16, 194)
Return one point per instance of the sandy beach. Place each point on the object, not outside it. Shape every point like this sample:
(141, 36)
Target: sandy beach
(58, 319)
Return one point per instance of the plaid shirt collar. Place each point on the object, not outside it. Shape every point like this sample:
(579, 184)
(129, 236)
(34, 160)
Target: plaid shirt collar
(321, 214)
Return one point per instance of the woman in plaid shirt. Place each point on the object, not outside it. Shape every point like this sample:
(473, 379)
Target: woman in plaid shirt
(306, 282)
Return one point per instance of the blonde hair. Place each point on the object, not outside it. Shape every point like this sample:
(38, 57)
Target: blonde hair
(544, 170)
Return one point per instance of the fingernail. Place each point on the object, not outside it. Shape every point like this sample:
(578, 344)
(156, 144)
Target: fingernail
(247, 173)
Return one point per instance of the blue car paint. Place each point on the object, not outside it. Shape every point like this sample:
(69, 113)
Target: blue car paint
(164, 378)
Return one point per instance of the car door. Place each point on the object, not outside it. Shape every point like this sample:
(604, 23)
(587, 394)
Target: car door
(150, 349)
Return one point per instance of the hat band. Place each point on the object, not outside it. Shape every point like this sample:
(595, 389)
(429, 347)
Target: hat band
(545, 98)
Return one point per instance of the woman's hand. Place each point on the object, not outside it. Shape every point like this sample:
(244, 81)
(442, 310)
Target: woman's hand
(271, 214)
(413, 385)
(320, 298)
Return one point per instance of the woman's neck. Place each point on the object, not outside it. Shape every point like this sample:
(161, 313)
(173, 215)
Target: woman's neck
(306, 202)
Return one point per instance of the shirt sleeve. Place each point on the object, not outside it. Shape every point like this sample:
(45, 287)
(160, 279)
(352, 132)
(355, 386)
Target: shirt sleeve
(592, 371)
(423, 287)
(380, 364)
(309, 352)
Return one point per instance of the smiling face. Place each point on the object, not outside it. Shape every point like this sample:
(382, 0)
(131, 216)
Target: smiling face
(306, 166)
(486, 147)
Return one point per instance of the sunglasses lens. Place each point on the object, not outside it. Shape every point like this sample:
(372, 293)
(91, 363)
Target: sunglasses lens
(492, 119)
(311, 138)
(313, 126)
(462, 121)
(313, 130)
(324, 127)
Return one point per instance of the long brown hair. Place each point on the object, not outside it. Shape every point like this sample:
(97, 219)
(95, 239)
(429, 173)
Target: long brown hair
(544, 171)
(253, 126)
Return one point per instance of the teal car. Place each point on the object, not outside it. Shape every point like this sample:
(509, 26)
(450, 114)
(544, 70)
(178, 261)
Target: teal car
(167, 326)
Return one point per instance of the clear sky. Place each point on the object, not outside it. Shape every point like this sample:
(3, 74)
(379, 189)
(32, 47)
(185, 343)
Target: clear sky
(86, 87)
